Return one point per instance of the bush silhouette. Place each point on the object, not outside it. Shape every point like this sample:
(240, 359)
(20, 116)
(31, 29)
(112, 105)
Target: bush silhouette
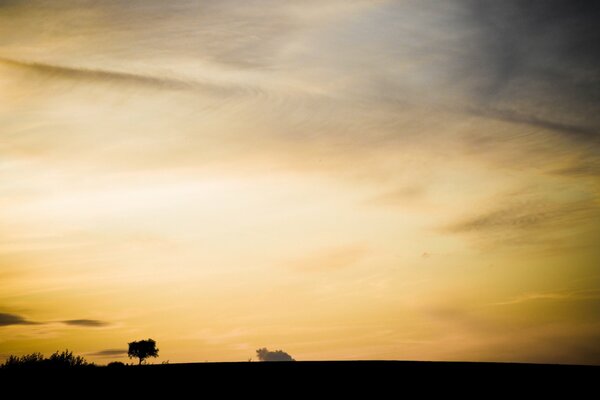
(64, 359)
(26, 361)
(278, 355)
(116, 364)
(142, 349)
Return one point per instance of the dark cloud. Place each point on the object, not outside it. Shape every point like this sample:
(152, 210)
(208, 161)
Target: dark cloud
(540, 57)
(529, 62)
(109, 353)
(13, 319)
(92, 323)
(516, 36)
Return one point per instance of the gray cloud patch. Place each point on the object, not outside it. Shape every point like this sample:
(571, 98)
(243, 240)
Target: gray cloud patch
(525, 216)
(500, 219)
(544, 225)
(540, 57)
(532, 120)
(109, 353)
(92, 323)
(516, 36)
(13, 319)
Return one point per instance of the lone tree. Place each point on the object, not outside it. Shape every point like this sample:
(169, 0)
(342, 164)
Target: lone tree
(142, 349)
(278, 355)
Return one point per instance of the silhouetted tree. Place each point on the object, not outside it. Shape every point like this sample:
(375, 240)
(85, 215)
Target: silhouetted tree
(142, 349)
(278, 355)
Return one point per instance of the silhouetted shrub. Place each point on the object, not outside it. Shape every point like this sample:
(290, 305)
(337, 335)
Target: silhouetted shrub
(27, 360)
(116, 364)
(65, 359)
(278, 355)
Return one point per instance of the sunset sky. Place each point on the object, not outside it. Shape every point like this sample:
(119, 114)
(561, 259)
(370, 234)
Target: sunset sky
(410, 179)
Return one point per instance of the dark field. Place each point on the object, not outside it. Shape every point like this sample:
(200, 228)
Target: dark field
(339, 376)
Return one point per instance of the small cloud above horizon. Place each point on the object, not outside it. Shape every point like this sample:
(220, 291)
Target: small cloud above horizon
(94, 323)
(7, 319)
(14, 319)
(109, 353)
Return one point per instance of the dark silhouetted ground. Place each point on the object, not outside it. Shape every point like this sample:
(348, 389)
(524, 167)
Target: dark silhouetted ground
(280, 379)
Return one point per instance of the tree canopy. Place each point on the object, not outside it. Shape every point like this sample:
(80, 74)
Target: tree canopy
(278, 355)
(142, 349)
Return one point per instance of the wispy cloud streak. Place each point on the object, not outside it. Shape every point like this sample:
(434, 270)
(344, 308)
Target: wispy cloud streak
(118, 78)
(90, 323)
(562, 295)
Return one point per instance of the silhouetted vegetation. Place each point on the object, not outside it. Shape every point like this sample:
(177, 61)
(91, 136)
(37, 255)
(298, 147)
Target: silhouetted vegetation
(28, 360)
(278, 355)
(116, 364)
(67, 359)
(64, 359)
(142, 350)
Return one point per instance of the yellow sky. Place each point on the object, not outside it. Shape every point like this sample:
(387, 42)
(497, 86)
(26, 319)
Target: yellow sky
(341, 180)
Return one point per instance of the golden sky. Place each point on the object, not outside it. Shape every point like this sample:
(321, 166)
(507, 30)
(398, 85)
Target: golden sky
(338, 179)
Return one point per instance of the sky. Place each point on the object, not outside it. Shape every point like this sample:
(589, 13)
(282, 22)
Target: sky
(338, 179)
